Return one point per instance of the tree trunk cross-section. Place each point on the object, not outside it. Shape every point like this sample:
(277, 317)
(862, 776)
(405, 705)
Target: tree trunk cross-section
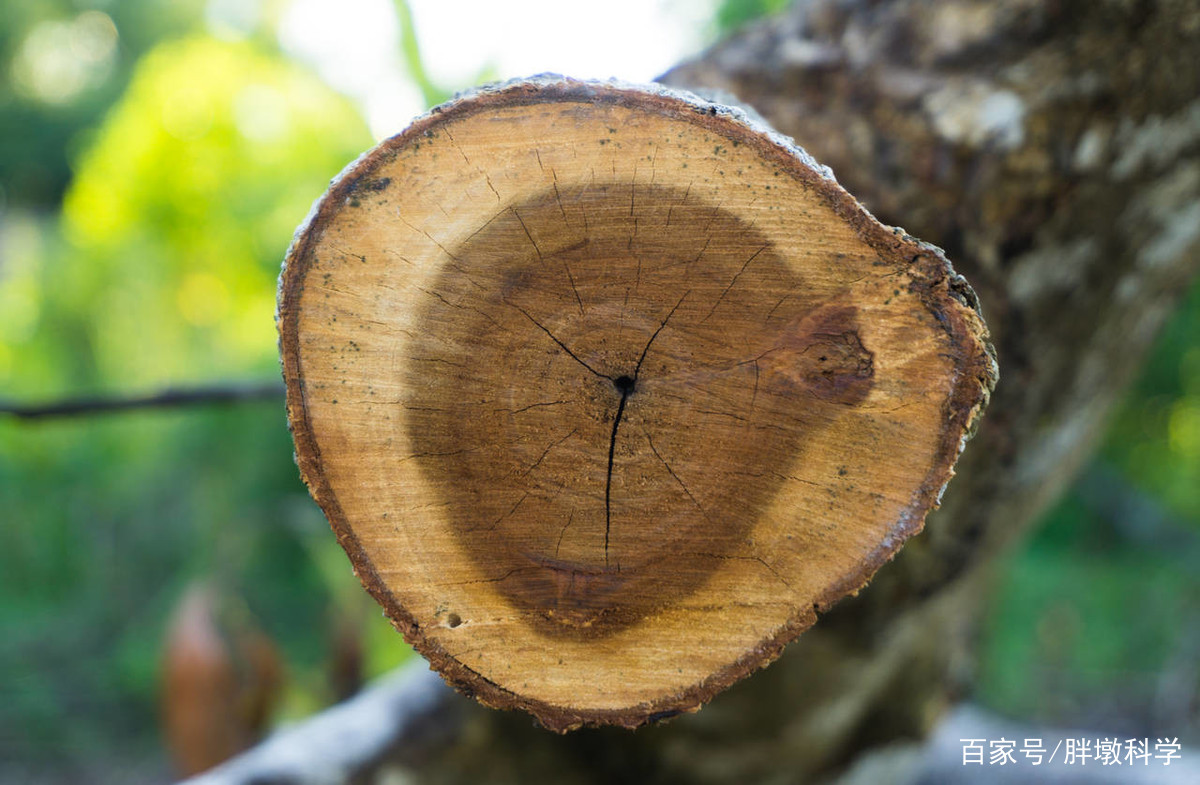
(607, 391)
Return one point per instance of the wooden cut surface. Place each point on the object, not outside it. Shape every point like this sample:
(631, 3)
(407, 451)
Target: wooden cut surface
(606, 392)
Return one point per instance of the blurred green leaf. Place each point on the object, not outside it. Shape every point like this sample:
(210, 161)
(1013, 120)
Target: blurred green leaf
(410, 48)
(732, 14)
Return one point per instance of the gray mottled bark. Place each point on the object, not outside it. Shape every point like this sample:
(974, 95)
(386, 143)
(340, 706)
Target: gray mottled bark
(1053, 150)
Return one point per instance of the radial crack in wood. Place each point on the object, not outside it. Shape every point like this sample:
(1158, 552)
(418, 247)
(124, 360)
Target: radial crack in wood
(606, 390)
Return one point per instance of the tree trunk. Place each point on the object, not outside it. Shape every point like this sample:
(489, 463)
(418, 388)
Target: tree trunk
(1053, 151)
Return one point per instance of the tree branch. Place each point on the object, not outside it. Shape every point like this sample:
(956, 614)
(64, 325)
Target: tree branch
(403, 713)
(171, 397)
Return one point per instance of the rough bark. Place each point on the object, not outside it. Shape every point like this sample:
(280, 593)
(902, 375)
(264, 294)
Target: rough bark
(1053, 150)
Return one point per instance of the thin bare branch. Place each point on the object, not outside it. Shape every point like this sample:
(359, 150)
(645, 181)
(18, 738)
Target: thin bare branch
(170, 398)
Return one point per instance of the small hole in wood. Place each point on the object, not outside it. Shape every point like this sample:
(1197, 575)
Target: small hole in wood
(624, 384)
(453, 620)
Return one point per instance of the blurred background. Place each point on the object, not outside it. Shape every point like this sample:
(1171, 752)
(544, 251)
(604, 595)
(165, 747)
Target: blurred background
(155, 158)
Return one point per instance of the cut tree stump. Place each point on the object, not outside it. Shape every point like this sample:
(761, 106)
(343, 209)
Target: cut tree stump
(607, 391)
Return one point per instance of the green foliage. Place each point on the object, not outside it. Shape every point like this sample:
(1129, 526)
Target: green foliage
(431, 93)
(732, 14)
(68, 63)
(183, 207)
(1155, 438)
(1086, 624)
(161, 269)
(1100, 608)
(139, 505)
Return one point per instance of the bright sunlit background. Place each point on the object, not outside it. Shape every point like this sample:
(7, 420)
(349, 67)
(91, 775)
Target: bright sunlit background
(370, 52)
(155, 158)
